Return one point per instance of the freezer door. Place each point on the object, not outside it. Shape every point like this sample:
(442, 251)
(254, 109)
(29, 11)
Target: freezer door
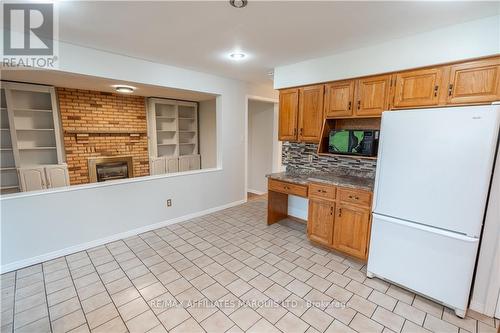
(435, 263)
(435, 166)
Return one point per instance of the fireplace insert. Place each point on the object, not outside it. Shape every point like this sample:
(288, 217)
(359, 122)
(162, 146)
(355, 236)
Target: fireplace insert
(111, 170)
(106, 168)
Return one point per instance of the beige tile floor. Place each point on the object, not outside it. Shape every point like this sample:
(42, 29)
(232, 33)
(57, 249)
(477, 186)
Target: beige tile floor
(223, 272)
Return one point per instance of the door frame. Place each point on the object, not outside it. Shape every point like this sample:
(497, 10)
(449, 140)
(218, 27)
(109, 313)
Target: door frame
(277, 146)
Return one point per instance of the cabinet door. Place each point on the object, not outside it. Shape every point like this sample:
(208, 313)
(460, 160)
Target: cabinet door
(288, 112)
(57, 175)
(474, 82)
(310, 113)
(184, 163)
(339, 98)
(372, 95)
(172, 164)
(32, 179)
(320, 221)
(351, 229)
(417, 88)
(194, 162)
(157, 165)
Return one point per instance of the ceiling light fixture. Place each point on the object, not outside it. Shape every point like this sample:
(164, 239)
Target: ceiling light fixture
(238, 3)
(124, 89)
(237, 55)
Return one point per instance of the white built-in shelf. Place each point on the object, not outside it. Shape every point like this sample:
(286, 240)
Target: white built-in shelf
(186, 118)
(34, 129)
(7, 169)
(163, 117)
(33, 110)
(167, 144)
(4, 129)
(37, 148)
(166, 131)
(9, 187)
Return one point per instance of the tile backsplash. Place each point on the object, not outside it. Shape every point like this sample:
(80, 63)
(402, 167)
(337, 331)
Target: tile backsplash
(295, 156)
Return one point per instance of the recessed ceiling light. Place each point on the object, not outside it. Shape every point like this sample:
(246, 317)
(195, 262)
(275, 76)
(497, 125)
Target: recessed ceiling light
(238, 3)
(237, 56)
(124, 89)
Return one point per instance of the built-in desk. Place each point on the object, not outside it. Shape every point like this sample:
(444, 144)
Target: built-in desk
(339, 212)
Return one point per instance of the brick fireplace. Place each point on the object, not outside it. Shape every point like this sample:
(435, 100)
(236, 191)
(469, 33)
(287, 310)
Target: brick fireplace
(99, 125)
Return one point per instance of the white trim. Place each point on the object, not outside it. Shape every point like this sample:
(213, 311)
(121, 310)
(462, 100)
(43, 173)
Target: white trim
(117, 182)
(84, 246)
(255, 191)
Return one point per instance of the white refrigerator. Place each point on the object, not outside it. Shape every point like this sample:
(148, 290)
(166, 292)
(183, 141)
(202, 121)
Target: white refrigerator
(432, 182)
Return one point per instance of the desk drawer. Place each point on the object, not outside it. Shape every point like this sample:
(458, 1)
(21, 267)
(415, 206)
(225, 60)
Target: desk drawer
(322, 191)
(288, 188)
(358, 197)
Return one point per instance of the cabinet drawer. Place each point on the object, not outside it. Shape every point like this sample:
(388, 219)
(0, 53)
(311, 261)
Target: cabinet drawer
(322, 191)
(288, 188)
(362, 198)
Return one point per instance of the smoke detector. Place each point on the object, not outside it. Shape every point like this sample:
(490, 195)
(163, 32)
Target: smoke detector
(238, 3)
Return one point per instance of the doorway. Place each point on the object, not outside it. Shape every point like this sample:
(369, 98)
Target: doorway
(263, 147)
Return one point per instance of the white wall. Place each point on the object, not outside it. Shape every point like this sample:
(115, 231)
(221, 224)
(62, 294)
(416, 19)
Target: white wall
(462, 41)
(260, 147)
(208, 131)
(40, 226)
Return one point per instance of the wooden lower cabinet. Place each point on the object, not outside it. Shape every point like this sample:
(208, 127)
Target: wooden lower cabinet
(351, 230)
(340, 221)
(320, 221)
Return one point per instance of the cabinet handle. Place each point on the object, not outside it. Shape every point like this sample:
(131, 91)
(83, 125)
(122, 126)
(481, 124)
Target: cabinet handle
(340, 212)
(436, 88)
(359, 104)
(300, 132)
(450, 89)
(294, 131)
(331, 210)
(350, 105)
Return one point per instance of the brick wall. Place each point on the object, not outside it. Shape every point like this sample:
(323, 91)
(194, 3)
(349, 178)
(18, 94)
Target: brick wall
(94, 115)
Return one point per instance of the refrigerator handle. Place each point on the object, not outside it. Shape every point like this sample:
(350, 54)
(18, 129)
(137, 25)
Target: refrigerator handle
(378, 169)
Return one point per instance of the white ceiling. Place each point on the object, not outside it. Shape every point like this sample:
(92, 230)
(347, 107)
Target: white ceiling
(78, 81)
(199, 34)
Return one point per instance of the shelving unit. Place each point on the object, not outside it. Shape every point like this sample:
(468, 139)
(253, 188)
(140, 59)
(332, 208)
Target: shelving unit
(9, 182)
(30, 131)
(173, 132)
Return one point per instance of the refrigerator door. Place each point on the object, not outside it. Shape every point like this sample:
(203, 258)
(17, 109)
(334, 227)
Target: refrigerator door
(435, 166)
(432, 262)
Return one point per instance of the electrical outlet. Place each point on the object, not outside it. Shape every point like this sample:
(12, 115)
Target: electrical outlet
(169, 202)
(310, 158)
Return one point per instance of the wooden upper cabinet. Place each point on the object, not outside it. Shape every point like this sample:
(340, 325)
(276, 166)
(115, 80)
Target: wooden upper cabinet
(339, 98)
(372, 95)
(320, 221)
(288, 112)
(474, 82)
(310, 113)
(417, 88)
(351, 230)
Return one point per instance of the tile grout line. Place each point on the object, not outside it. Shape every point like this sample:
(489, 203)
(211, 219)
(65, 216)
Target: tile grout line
(14, 302)
(138, 290)
(77, 295)
(107, 291)
(46, 298)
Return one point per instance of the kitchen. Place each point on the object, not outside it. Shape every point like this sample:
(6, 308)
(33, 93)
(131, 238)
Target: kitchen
(420, 228)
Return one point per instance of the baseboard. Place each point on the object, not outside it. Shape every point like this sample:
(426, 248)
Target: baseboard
(85, 246)
(481, 308)
(256, 192)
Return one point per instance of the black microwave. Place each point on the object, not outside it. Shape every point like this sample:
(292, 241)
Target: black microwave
(353, 142)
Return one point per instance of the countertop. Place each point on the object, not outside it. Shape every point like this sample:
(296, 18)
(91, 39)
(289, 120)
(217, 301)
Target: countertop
(331, 178)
